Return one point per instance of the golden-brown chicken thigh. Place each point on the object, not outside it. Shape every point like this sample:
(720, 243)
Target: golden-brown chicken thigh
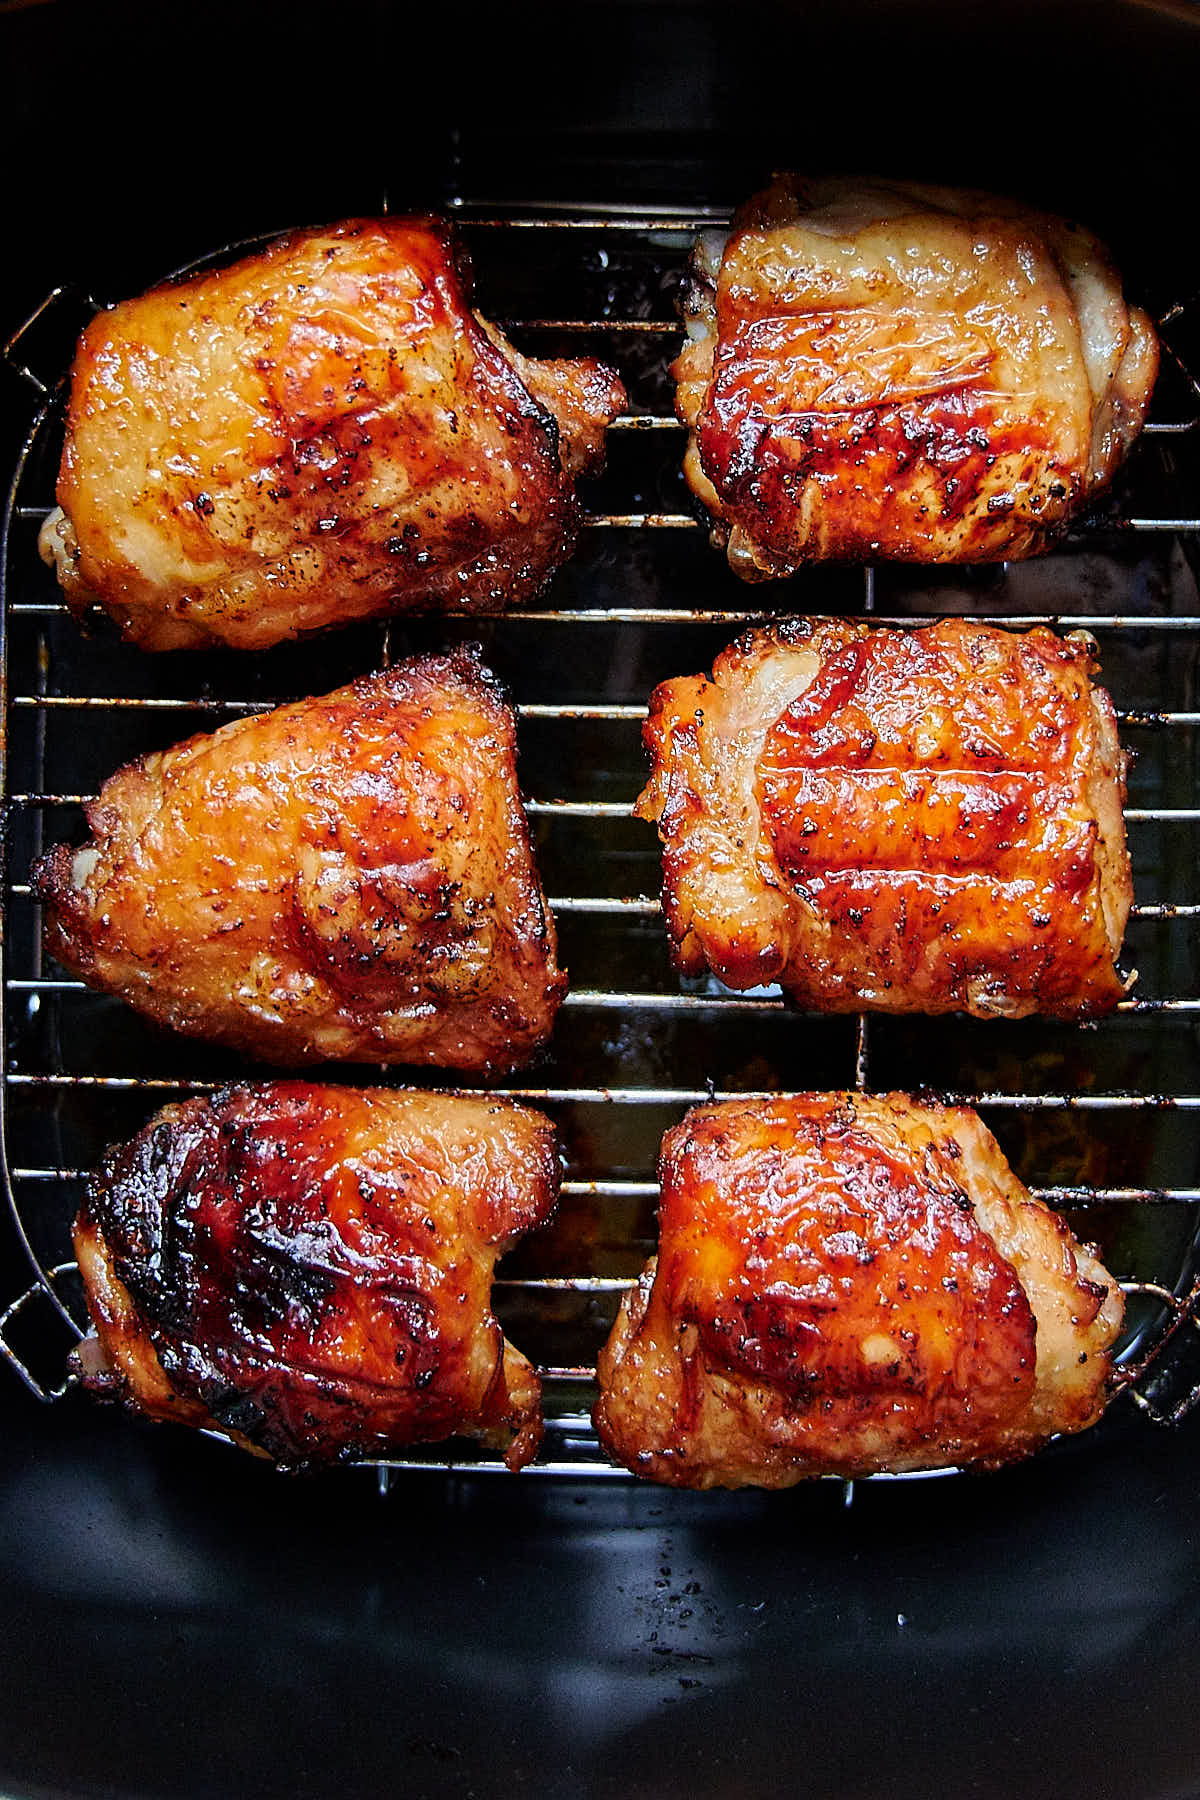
(309, 1268)
(889, 370)
(849, 1285)
(899, 821)
(348, 877)
(325, 431)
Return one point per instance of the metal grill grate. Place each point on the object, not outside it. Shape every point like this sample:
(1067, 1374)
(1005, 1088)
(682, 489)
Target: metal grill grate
(1098, 1121)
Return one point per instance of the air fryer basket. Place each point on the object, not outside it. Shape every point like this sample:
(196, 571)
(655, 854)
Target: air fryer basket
(1099, 1121)
(179, 1621)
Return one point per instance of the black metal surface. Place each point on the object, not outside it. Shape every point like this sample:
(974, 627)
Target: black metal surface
(173, 1630)
(177, 1621)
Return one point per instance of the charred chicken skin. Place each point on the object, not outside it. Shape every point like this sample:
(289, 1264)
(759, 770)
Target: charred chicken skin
(882, 370)
(344, 878)
(849, 1285)
(308, 1269)
(898, 821)
(325, 431)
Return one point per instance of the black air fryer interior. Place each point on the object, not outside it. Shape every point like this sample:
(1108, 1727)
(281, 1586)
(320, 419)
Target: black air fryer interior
(178, 1620)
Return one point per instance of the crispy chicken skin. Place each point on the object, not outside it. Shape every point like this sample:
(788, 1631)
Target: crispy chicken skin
(898, 821)
(345, 878)
(309, 1268)
(325, 431)
(885, 370)
(849, 1285)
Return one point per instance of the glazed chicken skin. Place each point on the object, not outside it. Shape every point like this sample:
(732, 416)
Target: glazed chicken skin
(897, 821)
(325, 431)
(346, 878)
(308, 1269)
(906, 372)
(848, 1285)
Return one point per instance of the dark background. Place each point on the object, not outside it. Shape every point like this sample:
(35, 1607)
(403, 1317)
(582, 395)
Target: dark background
(177, 1621)
(134, 133)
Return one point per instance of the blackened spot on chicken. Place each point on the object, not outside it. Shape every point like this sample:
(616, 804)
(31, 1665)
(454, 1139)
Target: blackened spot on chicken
(234, 1410)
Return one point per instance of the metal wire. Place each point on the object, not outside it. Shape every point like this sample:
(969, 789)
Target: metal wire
(51, 706)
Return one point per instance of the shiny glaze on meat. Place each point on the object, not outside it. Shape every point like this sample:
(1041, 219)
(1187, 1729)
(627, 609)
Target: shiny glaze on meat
(324, 431)
(348, 877)
(883, 370)
(903, 821)
(309, 1268)
(849, 1285)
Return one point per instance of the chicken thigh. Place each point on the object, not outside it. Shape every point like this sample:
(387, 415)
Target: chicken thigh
(348, 878)
(308, 1269)
(926, 820)
(325, 431)
(849, 1285)
(886, 370)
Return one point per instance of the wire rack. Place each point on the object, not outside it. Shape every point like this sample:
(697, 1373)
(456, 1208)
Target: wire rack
(1099, 1121)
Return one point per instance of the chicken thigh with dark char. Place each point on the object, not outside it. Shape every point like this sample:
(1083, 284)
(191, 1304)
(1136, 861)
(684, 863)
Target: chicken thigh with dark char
(308, 1268)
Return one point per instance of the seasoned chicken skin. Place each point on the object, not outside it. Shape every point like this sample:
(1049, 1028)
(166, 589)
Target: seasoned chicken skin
(309, 1268)
(886, 370)
(849, 1285)
(348, 877)
(325, 431)
(898, 821)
